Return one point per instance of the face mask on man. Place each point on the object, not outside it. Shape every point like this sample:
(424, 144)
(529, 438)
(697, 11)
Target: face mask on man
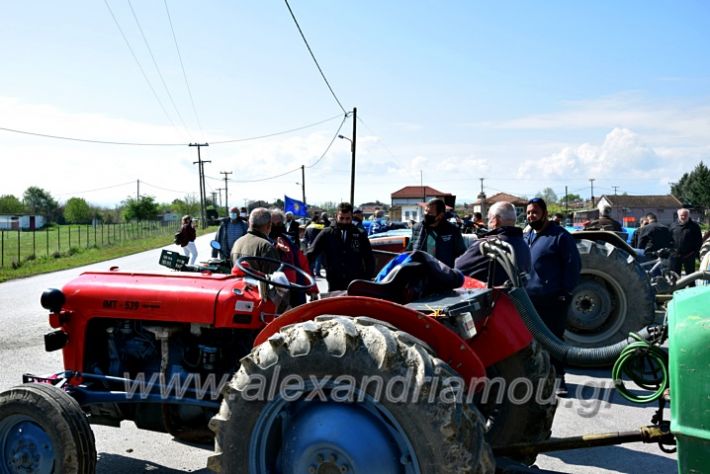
(537, 225)
(429, 220)
(233, 216)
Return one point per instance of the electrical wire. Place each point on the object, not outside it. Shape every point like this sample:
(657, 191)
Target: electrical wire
(99, 189)
(164, 189)
(259, 137)
(107, 142)
(128, 44)
(337, 132)
(182, 66)
(155, 63)
(314, 58)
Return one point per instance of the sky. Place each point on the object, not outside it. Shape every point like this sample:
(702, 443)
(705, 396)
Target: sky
(522, 95)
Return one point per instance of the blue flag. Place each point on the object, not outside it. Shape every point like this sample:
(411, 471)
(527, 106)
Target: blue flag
(297, 207)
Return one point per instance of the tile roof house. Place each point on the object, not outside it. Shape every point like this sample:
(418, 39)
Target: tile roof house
(482, 204)
(408, 202)
(630, 209)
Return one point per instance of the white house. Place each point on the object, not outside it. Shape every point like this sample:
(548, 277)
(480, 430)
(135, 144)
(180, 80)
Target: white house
(22, 222)
(408, 203)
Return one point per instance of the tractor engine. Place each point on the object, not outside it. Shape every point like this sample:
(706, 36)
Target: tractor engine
(165, 362)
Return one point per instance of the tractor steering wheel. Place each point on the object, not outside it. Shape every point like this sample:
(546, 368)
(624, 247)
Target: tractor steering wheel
(266, 277)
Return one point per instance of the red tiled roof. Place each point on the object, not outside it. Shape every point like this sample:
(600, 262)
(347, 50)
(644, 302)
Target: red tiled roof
(498, 197)
(417, 192)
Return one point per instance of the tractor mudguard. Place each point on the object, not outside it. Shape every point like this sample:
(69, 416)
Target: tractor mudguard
(447, 345)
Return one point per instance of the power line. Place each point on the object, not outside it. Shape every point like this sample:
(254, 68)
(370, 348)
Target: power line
(165, 189)
(182, 66)
(155, 63)
(259, 137)
(98, 189)
(108, 142)
(337, 132)
(155, 94)
(314, 58)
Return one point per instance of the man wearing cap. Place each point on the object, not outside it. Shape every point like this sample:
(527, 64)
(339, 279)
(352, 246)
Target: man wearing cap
(357, 218)
(229, 231)
(554, 273)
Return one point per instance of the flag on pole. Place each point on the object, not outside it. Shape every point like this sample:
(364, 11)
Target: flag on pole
(297, 207)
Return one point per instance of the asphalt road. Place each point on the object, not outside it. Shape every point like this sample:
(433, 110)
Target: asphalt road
(128, 450)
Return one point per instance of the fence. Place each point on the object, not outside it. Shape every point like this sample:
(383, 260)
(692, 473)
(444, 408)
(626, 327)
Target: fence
(16, 245)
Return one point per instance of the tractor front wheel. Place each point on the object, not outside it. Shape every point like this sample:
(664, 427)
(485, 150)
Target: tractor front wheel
(43, 430)
(342, 394)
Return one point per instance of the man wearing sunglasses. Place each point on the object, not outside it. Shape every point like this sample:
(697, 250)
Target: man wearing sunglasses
(554, 274)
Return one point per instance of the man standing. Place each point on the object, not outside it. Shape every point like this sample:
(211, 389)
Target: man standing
(687, 240)
(437, 236)
(357, 219)
(605, 221)
(653, 235)
(554, 274)
(256, 243)
(293, 228)
(229, 231)
(501, 221)
(348, 255)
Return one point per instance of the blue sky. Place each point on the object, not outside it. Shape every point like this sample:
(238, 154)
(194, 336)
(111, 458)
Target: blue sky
(526, 95)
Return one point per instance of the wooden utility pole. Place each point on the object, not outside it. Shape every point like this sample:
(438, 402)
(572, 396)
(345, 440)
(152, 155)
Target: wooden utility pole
(352, 169)
(201, 169)
(303, 183)
(226, 187)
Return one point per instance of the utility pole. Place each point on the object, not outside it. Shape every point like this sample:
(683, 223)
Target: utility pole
(226, 186)
(138, 190)
(352, 168)
(303, 183)
(566, 202)
(615, 188)
(201, 170)
(482, 199)
(219, 190)
(591, 180)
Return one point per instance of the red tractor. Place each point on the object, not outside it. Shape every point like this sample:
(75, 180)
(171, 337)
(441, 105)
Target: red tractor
(404, 375)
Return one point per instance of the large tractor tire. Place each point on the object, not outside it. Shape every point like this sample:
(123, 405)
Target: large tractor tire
(319, 410)
(613, 298)
(44, 431)
(524, 412)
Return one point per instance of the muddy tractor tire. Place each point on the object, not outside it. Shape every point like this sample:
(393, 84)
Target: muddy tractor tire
(613, 298)
(349, 395)
(43, 430)
(524, 412)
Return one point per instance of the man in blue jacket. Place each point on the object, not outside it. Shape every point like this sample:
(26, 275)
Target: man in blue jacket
(554, 274)
(501, 221)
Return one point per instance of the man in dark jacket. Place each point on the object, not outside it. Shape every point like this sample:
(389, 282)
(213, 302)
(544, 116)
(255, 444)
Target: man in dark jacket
(437, 236)
(654, 236)
(687, 240)
(347, 250)
(605, 221)
(501, 221)
(229, 231)
(292, 229)
(554, 274)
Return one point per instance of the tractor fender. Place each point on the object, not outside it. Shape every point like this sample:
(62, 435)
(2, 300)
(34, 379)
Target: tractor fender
(447, 345)
(605, 236)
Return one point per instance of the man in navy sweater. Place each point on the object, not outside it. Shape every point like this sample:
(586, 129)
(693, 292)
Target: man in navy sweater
(554, 274)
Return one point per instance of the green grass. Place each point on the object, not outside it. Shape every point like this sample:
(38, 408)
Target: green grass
(127, 241)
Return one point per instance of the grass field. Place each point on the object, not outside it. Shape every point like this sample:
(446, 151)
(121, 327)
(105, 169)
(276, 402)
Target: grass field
(60, 247)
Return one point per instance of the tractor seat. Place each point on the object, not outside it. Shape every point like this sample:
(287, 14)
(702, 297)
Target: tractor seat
(409, 277)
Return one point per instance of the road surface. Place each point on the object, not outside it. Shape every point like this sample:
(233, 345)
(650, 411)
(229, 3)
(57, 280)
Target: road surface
(128, 450)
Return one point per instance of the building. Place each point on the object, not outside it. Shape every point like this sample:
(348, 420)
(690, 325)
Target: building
(409, 202)
(484, 203)
(630, 209)
(21, 222)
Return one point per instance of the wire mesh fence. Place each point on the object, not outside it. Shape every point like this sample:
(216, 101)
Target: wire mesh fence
(19, 245)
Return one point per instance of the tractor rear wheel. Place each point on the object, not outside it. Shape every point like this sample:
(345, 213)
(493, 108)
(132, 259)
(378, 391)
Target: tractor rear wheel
(613, 298)
(43, 430)
(342, 394)
(521, 403)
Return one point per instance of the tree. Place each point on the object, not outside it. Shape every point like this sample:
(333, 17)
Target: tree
(77, 211)
(142, 209)
(548, 195)
(9, 204)
(693, 189)
(38, 201)
(571, 200)
(189, 205)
